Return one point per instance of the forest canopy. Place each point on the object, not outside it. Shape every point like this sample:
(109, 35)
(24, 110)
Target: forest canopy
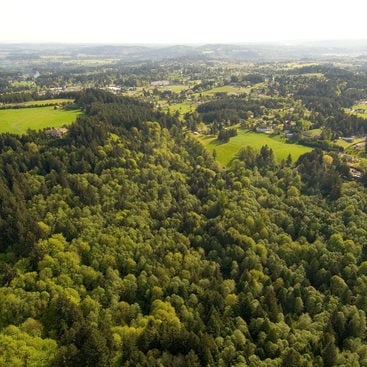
(124, 243)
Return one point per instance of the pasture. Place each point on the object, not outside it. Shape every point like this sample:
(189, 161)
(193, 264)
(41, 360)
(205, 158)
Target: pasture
(225, 152)
(226, 89)
(18, 121)
(54, 101)
(41, 102)
(182, 108)
(175, 88)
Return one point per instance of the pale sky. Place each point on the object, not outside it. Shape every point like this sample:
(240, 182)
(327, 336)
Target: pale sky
(186, 21)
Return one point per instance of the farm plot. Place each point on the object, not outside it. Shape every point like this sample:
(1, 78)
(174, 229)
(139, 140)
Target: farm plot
(225, 152)
(18, 121)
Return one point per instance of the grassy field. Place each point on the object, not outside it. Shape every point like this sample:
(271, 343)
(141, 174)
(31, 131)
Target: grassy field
(361, 106)
(346, 145)
(227, 151)
(314, 132)
(175, 88)
(224, 89)
(55, 101)
(182, 108)
(356, 107)
(18, 121)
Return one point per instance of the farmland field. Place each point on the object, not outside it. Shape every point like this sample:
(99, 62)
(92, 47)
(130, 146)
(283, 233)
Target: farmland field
(175, 88)
(224, 89)
(226, 151)
(18, 121)
(54, 101)
(39, 103)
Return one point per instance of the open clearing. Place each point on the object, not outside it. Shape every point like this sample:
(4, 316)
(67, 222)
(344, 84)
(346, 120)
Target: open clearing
(41, 102)
(18, 121)
(227, 151)
(182, 108)
(54, 101)
(359, 110)
(226, 89)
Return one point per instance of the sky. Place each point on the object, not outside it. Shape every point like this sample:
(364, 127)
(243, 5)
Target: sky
(181, 22)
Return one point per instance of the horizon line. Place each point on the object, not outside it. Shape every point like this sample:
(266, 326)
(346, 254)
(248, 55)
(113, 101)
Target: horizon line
(202, 43)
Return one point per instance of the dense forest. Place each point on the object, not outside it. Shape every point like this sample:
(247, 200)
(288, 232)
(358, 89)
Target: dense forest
(124, 243)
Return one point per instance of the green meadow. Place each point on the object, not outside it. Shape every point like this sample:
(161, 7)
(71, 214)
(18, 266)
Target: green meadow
(358, 142)
(353, 111)
(40, 103)
(18, 121)
(225, 152)
(175, 88)
(54, 101)
(224, 89)
(182, 108)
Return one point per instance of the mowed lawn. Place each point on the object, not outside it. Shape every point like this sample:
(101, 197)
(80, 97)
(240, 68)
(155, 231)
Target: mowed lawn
(18, 121)
(225, 152)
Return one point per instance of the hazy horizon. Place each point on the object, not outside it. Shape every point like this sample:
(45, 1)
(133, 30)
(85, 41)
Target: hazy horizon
(305, 42)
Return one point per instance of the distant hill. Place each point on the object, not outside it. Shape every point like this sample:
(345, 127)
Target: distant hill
(249, 51)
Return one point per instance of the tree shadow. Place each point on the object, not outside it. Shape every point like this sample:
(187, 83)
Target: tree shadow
(217, 142)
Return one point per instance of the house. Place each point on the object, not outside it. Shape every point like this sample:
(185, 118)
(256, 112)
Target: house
(160, 83)
(57, 132)
(347, 139)
(265, 129)
(355, 173)
(113, 88)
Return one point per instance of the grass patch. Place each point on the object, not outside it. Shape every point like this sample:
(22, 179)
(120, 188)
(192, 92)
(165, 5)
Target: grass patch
(44, 102)
(182, 108)
(227, 151)
(361, 106)
(224, 89)
(313, 133)
(355, 110)
(56, 101)
(18, 121)
(357, 143)
(175, 88)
